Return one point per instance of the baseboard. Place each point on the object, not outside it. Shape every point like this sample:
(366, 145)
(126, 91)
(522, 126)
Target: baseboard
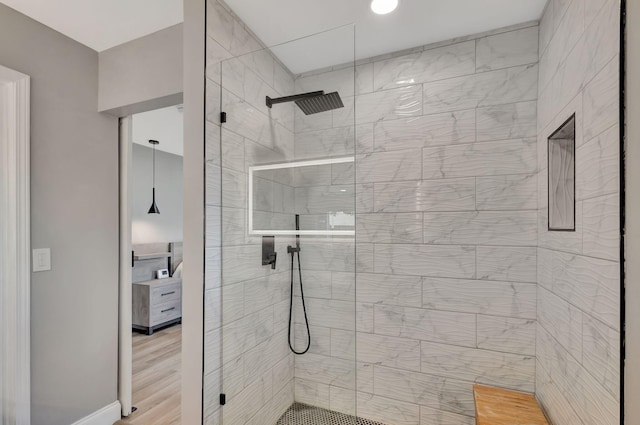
(108, 415)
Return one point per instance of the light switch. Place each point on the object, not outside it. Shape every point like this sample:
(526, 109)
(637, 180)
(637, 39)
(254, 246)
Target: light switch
(41, 260)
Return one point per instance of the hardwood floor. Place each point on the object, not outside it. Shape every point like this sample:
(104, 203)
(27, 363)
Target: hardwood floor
(156, 378)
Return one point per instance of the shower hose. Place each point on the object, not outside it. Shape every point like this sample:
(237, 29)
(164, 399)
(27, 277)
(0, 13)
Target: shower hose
(293, 252)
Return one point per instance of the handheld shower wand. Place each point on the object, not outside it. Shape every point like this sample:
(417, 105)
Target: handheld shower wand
(291, 250)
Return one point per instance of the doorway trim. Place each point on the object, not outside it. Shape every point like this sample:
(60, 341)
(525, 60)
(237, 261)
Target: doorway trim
(15, 247)
(125, 348)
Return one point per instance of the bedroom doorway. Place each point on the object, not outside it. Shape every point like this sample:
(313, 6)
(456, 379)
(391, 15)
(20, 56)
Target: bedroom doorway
(151, 190)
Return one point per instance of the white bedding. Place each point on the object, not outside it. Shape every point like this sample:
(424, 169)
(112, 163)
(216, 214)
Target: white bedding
(178, 272)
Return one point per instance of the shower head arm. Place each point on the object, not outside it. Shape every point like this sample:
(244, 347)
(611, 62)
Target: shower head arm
(285, 99)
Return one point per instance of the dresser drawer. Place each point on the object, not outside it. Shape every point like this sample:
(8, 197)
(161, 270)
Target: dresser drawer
(166, 293)
(164, 312)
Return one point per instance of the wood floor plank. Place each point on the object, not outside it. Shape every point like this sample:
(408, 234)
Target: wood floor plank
(157, 378)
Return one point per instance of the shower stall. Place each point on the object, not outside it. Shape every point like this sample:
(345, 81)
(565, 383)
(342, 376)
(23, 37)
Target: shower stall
(377, 236)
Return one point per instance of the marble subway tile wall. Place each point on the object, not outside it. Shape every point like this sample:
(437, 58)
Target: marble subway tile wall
(447, 229)
(326, 375)
(578, 310)
(458, 280)
(246, 304)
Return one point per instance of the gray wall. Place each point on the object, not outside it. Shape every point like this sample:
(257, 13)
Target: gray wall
(578, 312)
(74, 211)
(166, 226)
(142, 74)
(192, 278)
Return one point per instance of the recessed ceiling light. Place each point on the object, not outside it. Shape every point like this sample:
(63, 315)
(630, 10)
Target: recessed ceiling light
(382, 7)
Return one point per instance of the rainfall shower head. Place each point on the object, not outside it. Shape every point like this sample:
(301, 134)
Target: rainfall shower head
(325, 102)
(311, 103)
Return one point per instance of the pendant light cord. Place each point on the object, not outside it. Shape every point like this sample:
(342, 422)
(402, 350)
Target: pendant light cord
(154, 167)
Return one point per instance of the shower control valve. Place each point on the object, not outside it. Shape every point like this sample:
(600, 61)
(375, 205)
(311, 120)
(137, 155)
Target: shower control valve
(269, 254)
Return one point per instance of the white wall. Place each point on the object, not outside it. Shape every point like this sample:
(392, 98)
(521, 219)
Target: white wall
(164, 124)
(142, 74)
(74, 211)
(166, 226)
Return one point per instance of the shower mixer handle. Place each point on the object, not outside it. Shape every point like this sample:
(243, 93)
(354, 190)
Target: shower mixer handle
(291, 250)
(271, 261)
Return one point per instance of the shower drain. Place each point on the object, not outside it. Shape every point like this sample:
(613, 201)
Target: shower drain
(303, 414)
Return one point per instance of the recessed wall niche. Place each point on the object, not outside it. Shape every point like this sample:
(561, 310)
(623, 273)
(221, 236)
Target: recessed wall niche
(562, 177)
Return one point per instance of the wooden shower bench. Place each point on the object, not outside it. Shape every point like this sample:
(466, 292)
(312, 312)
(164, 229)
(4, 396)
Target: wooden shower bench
(496, 406)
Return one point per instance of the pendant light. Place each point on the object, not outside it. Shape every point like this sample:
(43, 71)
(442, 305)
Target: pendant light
(154, 208)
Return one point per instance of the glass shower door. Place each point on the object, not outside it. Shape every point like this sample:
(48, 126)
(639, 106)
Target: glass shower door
(280, 299)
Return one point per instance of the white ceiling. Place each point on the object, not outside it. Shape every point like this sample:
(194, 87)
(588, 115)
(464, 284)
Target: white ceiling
(102, 24)
(164, 125)
(413, 23)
